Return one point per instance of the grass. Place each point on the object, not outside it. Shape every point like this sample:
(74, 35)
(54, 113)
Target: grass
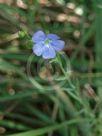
(35, 97)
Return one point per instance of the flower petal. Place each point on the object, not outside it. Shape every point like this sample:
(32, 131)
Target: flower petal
(48, 53)
(58, 45)
(53, 37)
(38, 36)
(38, 49)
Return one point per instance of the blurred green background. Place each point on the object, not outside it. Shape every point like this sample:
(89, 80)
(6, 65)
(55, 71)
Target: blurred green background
(37, 105)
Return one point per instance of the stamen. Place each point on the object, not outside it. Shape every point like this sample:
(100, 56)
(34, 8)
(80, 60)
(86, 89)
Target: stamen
(47, 42)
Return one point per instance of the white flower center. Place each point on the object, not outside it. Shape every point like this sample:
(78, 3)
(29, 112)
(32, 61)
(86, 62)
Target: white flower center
(47, 43)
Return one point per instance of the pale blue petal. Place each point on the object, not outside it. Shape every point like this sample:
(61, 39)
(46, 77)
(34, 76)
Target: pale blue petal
(48, 53)
(38, 49)
(53, 37)
(38, 36)
(58, 45)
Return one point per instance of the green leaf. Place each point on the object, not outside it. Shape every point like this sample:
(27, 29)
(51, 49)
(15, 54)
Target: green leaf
(40, 132)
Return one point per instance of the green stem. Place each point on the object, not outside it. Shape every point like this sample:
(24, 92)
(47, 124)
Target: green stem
(64, 72)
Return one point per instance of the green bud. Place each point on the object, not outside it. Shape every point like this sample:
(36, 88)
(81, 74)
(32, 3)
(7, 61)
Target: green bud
(29, 44)
(22, 34)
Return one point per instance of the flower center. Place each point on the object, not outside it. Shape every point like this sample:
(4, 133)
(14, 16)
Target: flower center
(47, 43)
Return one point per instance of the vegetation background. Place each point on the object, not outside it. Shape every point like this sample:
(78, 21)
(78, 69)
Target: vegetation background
(37, 105)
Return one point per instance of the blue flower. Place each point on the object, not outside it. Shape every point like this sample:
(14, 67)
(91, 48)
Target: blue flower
(46, 45)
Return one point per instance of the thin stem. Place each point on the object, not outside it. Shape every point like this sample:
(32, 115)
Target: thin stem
(64, 72)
